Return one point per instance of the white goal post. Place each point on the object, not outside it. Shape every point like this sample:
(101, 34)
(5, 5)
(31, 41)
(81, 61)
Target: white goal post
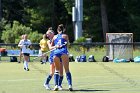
(121, 51)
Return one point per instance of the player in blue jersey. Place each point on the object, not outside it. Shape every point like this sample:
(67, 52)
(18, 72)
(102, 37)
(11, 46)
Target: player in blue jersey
(61, 52)
(50, 35)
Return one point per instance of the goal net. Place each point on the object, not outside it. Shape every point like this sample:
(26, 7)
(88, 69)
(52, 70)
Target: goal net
(121, 51)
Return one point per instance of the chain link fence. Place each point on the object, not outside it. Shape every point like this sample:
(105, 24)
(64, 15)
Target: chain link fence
(97, 49)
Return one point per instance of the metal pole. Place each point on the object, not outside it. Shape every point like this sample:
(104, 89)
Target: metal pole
(78, 18)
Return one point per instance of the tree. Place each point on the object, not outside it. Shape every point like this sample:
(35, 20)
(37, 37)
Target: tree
(2, 25)
(92, 27)
(13, 34)
(100, 16)
(104, 18)
(0, 11)
(13, 10)
(124, 16)
(132, 8)
(35, 37)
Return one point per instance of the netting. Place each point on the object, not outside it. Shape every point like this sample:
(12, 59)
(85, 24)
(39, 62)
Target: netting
(119, 51)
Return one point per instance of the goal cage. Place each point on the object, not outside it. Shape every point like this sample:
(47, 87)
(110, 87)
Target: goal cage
(121, 51)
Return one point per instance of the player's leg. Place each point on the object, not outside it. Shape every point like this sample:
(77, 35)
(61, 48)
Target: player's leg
(44, 58)
(26, 59)
(60, 76)
(56, 74)
(49, 77)
(65, 61)
(41, 53)
(20, 56)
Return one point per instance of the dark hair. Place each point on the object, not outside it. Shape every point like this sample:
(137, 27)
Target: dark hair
(61, 28)
(50, 28)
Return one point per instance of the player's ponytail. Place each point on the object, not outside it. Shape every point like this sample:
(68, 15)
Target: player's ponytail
(61, 28)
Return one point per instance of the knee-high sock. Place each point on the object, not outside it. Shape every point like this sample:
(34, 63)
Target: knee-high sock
(69, 78)
(56, 78)
(60, 80)
(25, 64)
(48, 79)
(44, 59)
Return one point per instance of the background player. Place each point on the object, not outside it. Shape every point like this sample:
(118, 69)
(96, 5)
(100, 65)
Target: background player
(43, 48)
(20, 55)
(25, 44)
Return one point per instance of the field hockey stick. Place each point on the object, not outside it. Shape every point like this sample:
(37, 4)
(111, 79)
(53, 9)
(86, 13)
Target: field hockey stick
(65, 43)
(43, 54)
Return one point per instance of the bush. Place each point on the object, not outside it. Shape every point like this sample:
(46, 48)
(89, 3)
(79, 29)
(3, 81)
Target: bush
(79, 47)
(13, 34)
(80, 40)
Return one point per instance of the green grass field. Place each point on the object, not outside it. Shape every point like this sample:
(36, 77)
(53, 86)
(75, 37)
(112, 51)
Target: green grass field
(88, 77)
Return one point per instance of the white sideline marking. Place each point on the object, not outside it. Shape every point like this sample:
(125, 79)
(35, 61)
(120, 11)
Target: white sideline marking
(19, 80)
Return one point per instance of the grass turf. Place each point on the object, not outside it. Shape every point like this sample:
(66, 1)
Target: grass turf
(88, 77)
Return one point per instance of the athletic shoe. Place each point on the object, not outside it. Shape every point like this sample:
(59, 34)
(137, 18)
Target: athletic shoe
(60, 88)
(47, 86)
(56, 88)
(70, 88)
(24, 68)
(42, 62)
(27, 69)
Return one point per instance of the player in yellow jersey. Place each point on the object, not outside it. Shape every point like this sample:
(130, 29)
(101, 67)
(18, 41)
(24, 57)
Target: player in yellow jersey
(43, 48)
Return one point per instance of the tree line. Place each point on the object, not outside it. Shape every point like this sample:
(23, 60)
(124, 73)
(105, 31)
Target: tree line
(34, 17)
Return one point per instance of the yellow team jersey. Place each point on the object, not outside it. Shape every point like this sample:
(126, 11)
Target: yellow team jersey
(44, 45)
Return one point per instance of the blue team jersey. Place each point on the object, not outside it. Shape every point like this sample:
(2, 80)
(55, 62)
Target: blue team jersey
(51, 56)
(60, 41)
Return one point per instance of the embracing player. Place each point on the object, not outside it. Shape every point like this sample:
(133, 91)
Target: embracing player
(61, 52)
(50, 35)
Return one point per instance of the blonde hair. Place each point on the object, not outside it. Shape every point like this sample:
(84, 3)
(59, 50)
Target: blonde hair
(50, 31)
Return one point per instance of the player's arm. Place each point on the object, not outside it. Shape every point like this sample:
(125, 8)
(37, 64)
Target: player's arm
(20, 44)
(40, 44)
(30, 45)
(50, 45)
(67, 39)
(68, 43)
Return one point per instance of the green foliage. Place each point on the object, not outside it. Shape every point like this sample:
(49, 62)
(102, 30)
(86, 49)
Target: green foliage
(36, 20)
(35, 37)
(2, 25)
(123, 16)
(68, 5)
(13, 10)
(80, 40)
(13, 34)
(126, 16)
